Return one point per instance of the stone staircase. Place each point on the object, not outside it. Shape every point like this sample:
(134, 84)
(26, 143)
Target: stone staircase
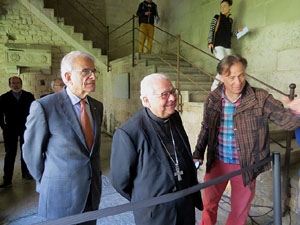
(191, 92)
(66, 32)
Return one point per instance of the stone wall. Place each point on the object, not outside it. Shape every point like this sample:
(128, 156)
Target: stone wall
(87, 16)
(19, 27)
(119, 110)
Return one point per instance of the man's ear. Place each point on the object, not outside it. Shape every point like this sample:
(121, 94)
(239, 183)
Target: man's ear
(222, 78)
(146, 101)
(68, 76)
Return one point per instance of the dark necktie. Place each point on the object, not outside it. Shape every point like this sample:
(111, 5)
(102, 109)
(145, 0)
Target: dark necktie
(86, 126)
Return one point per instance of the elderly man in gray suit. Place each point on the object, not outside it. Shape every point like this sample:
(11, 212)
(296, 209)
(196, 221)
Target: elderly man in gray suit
(62, 142)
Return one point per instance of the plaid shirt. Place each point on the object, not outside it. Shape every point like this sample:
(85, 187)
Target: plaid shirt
(250, 126)
(227, 144)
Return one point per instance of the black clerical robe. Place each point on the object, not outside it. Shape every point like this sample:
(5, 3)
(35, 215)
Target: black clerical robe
(141, 169)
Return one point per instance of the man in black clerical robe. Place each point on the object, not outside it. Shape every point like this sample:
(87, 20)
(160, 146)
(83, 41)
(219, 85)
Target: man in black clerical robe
(151, 156)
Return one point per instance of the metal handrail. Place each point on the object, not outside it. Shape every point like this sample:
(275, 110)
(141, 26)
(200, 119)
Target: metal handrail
(185, 42)
(123, 24)
(117, 48)
(103, 33)
(122, 35)
(91, 13)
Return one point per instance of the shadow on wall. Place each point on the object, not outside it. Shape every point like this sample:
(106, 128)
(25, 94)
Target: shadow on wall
(112, 125)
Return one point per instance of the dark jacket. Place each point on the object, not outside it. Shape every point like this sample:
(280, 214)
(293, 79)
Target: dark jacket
(250, 124)
(13, 112)
(224, 32)
(140, 170)
(147, 7)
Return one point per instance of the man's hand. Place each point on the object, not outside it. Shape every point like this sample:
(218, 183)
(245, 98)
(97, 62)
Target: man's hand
(198, 162)
(292, 104)
(210, 46)
(147, 13)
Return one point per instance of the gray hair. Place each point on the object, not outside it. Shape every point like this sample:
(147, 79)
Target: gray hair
(67, 62)
(146, 84)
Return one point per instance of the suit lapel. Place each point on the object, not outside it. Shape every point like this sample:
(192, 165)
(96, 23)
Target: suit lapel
(96, 122)
(70, 115)
(156, 145)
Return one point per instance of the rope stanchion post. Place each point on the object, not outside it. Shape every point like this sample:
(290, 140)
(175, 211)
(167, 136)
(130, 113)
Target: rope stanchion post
(286, 172)
(277, 189)
(133, 28)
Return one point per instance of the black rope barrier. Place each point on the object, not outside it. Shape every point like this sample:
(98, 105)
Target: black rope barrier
(111, 211)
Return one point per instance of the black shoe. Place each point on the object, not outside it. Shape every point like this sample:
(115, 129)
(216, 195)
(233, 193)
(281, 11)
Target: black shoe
(27, 177)
(5, 185)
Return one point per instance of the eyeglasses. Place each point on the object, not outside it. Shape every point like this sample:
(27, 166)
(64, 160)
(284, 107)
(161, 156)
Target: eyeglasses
(166, 94)
(87, 72)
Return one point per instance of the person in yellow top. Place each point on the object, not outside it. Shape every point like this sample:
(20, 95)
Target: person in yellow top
(147, 12)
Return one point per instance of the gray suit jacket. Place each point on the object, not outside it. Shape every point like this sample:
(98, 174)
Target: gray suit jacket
(57, 156)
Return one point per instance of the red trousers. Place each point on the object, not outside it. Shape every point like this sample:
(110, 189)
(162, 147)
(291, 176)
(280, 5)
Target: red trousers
(240, 199)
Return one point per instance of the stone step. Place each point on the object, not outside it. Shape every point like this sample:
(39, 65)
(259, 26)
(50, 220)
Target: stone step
(197, 96)
(60, 20)
(49, 13)
(189, 86)
(97, 52)
(164, 62)
(88, 44)
(38, 4)
(68, 29)
(154, 56)
(78, 37)
(184, 70)
(196, 77)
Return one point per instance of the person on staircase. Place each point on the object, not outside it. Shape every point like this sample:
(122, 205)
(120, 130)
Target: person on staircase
(235, 131)
(147, 13)
(220, 33)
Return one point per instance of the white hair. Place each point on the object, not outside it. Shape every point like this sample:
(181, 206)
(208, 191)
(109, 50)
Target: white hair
(67, 62)
(146, 84)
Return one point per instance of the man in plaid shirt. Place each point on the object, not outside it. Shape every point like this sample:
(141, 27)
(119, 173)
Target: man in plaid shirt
(236, 133)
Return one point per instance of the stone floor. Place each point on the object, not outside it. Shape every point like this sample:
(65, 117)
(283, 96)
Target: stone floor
(18, 204)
